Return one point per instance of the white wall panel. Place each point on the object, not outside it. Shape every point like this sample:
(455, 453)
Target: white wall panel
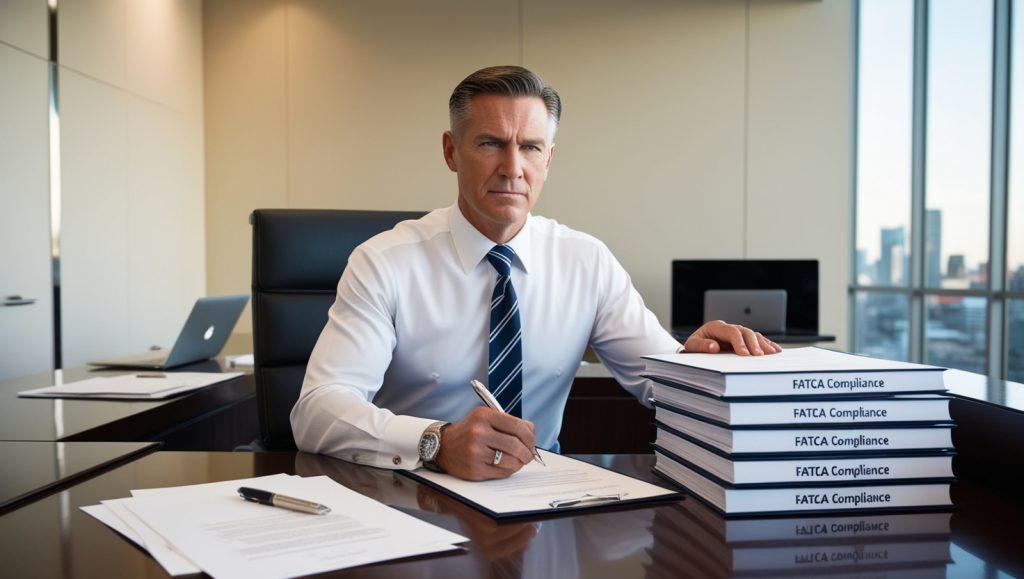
(26, 336)
(94, 266)
(91, 37)
(162, 227)
(23, 24)
(132, 162)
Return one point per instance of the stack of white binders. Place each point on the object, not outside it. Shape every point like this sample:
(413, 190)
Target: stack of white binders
(805, 430)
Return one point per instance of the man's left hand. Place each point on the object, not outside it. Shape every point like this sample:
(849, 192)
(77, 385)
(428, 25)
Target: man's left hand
(717, 336)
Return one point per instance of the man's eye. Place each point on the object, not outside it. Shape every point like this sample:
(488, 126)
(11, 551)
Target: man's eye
(533, 148)
(491, 144)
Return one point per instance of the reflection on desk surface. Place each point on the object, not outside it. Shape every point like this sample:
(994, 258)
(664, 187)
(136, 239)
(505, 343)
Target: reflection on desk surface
(122, 420)
(52, 538)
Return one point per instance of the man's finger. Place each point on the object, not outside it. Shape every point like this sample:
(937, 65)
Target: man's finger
(510, 446)
(513, 426)
(702, 345)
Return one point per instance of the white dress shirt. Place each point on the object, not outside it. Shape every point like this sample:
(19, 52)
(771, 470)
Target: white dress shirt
(408, 331)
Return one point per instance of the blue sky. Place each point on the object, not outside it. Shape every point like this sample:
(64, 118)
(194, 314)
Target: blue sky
(958, 126)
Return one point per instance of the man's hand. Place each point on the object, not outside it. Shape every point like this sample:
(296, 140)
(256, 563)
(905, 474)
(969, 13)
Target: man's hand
(716, 336)
(468, 446)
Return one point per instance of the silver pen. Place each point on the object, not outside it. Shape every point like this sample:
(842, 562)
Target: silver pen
(275, 500)
(491, 402)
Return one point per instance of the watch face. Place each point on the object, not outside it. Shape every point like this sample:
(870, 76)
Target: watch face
(429, 446)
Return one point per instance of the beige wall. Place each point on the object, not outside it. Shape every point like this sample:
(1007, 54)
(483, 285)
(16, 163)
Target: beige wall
(132, 172)
(714, 128)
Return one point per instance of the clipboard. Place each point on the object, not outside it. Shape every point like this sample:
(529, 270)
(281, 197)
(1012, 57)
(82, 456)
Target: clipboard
(565, 486)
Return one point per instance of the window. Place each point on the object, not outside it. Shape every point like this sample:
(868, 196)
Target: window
(939, 233)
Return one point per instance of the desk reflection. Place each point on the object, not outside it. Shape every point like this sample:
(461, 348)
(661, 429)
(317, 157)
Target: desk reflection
(602, 544)
(693, 536)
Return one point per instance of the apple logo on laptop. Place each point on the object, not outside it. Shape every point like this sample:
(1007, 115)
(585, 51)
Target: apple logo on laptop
(208, 334)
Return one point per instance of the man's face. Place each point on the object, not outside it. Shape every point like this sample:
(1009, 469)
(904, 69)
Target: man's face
(501, 156)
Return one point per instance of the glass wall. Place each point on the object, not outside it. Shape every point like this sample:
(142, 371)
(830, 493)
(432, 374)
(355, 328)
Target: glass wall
(885, 90)
(958, 145)
(938, 272)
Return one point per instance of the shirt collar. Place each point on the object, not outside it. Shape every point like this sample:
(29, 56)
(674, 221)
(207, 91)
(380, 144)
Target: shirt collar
(471, 246)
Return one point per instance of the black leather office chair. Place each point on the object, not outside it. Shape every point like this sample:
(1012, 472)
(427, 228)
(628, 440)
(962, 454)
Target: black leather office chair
(297, 257)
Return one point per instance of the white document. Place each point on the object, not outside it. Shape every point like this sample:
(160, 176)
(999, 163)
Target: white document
(170, 559)
(134, 386)
(229, 537)
(535, 487)
(117, 516)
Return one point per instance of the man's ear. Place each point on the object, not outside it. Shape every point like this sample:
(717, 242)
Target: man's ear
(551, 155)
(448, 147)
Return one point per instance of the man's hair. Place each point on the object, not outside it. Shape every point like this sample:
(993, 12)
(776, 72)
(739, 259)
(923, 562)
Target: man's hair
(510, 81)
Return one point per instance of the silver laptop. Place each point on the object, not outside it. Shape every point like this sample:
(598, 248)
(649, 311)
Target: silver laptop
(759, 310)
(204, 335)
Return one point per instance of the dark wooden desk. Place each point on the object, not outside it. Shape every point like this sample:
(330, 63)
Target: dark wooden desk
(53, 538)
(219, 417)
(33, 469)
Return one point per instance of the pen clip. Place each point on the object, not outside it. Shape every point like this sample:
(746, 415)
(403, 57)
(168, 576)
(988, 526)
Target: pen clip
(587, 499)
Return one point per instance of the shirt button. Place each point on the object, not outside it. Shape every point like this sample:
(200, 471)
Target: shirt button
(435, 376)
(355, 458)
(397, 459)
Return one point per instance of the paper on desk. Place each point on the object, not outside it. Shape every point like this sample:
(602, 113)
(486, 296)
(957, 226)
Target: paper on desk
(114, 514)
(132, 386)
(169, 558)
(228, 537)
(532, 489)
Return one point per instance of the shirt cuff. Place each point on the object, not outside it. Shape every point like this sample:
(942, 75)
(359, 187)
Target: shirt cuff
(681, 350)
(404, 433)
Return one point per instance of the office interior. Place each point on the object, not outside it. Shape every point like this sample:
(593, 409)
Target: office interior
(691, 129)
(137, 137)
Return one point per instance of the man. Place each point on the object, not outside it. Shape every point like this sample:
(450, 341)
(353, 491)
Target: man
(480, 290)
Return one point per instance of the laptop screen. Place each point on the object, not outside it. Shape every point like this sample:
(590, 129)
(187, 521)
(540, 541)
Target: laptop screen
(691, 278)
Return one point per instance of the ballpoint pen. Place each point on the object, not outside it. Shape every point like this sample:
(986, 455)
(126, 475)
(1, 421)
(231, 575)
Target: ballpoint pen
(273, 499)
(491, 402)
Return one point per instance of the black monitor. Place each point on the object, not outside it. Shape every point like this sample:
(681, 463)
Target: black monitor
(799, 277)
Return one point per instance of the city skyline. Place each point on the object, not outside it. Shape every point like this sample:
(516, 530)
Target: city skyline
(957, 163)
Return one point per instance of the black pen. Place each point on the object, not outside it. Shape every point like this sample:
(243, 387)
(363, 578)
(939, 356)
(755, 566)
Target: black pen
(275, 500)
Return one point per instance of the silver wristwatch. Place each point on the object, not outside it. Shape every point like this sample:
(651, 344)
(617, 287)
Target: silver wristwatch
(430, 445)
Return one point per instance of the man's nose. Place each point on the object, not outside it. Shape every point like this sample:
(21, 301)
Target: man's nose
(511, 164)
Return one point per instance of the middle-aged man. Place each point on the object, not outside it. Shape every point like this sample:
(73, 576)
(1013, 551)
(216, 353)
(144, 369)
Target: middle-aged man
(479, 290)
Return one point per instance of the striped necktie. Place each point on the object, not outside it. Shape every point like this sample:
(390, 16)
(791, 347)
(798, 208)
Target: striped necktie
(505, 346)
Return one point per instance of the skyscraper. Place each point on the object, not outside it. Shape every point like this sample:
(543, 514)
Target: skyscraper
(933, 248)
(892, 265)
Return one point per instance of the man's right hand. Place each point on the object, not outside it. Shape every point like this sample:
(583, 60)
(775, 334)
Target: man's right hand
(468, 446)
